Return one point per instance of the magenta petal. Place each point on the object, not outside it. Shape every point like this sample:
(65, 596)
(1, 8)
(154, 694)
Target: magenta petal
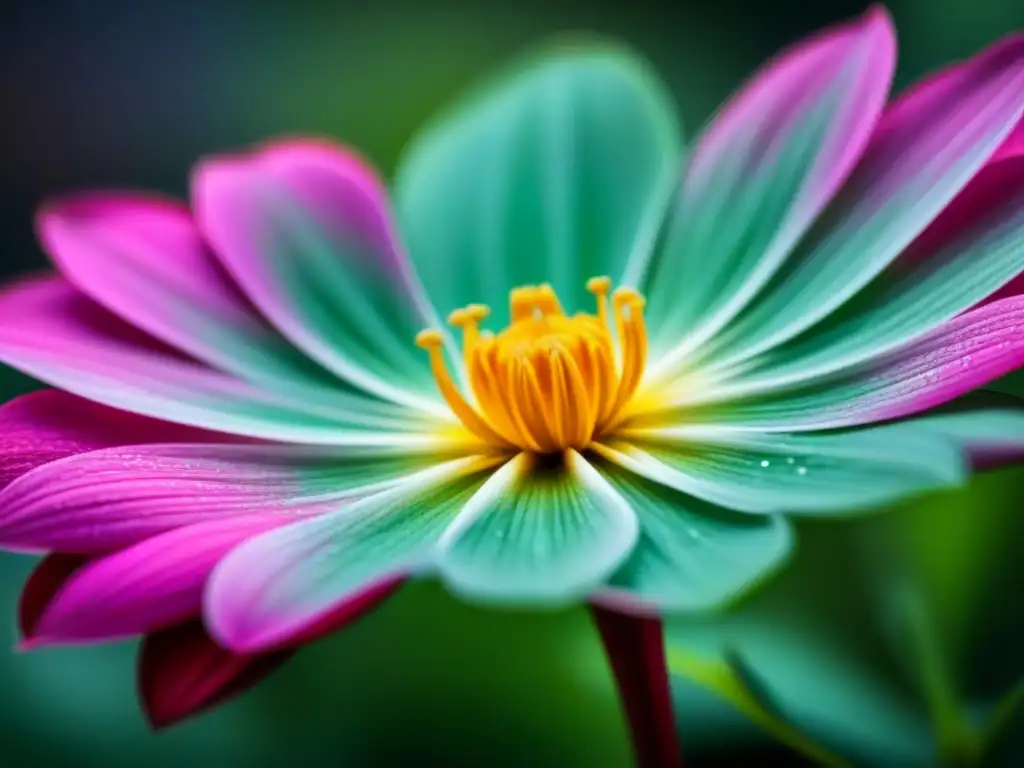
(44, 426)
(45, 581)
(232, 625)
(46, 312)
(182, 672)
(146, 587)
(995, 184)
(926, 148)
(960, 356)
(922, 111)
(1013, 146)
(51, 331)
(112, 498)
(305, 228)
(966, 353)
(143, 258)
(299, 582)
(786, 86)
(998, 184)
(762, 172)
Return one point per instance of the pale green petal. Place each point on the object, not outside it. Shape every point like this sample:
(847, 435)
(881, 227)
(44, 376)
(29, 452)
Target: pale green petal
(918, 293)
(554, 171)
(538, 534)
(691, 555)
(764, 473)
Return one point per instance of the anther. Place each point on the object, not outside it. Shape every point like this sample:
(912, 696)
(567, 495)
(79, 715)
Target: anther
(432, 340)
(626, 296)
(468, 319)
(478, 312)
(429, 338)
(521, 302)
(546, 301)
(599, 286)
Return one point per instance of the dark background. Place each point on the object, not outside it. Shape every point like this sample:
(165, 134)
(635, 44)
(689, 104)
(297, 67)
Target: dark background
(129, 94)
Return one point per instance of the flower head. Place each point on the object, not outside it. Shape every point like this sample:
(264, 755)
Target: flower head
(262, 425)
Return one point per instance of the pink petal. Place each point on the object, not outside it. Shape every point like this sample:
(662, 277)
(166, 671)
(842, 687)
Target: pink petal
(146, 587)
(776, 94)
(996, 183)
(305, 228)
(115, 497)
(995, 186)
(924, 151)
(183, 672)
(44, 426)
(1013, 146)
(45, 581)
(279, 585)
(968, 352)
(797, 130)
(962, 355)
(924, 105)
(51, 331)
(930, 99)
(354, 608)
(143, 258)
(238, 614)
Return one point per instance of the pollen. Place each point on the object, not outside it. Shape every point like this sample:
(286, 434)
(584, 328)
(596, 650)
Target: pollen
(547, 382)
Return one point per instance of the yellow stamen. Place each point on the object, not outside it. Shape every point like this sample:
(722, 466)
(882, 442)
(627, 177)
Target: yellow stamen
(547, 382)
(431, 340)
(599, 286)
(521, 302)
(546, 301)
(468, 319)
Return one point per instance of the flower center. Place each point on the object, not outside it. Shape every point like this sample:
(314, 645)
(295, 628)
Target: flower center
(548, 381)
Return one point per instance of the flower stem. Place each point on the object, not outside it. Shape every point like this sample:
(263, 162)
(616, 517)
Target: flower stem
(635, 648)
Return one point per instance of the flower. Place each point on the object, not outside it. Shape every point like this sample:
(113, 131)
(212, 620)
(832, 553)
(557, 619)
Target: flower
(262, 425)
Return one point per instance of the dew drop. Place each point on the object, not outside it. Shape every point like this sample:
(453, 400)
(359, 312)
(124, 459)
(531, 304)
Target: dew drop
(765, 463)
(801, 470)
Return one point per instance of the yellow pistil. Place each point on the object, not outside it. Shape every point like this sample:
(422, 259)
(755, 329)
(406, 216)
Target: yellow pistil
(547, 382)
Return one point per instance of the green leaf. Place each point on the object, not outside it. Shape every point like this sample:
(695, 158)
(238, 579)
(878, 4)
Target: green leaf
(956, 739)
(736, 682)
(1001, 738)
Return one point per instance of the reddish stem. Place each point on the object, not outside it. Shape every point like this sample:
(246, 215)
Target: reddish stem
(635, 647)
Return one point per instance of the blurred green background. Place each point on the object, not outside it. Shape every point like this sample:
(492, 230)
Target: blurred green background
(130, 94)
